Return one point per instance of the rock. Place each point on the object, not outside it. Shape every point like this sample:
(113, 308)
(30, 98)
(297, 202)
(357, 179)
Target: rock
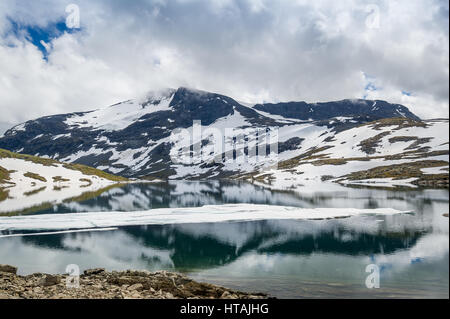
(8, 269)
(49, 280)
(136, 287)
(125, 280)
(225, 295)
(169, 296)
(95, 271)
(100, 284)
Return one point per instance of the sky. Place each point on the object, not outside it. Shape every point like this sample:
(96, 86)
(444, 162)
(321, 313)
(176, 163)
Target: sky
(61, 56)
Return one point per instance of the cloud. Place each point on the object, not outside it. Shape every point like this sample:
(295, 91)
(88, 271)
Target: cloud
(252, 50)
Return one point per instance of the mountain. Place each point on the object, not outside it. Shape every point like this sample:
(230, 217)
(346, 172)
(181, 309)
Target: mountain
(393, 152)
(155, 137)
(361, 109)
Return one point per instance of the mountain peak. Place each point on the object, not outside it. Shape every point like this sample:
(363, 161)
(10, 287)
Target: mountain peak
(357, 108)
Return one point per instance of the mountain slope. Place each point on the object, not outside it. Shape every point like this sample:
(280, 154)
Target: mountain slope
(133, 138)
(386, 152)
(26, 181)
(147, 138)
(370, 110)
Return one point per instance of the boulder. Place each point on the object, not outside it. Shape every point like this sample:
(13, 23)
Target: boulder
(8, 269)
(135, 287)
(95, 271)
(49, 280)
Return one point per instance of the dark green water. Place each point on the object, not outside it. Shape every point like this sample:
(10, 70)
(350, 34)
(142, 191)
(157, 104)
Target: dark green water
(287, 259)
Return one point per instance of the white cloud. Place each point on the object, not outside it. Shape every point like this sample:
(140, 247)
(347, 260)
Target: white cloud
(251, 50)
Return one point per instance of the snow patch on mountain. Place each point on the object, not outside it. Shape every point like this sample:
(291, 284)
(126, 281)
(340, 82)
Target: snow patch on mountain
(119, 116)
(31, 184)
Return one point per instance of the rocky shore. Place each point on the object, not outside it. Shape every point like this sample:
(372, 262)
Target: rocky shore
(101, 284)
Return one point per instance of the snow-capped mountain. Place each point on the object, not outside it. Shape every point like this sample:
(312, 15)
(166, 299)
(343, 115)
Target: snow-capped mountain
(147, 138)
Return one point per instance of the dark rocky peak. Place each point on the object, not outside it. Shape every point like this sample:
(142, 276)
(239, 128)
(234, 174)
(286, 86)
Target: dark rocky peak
(373, 110)
(200, 105)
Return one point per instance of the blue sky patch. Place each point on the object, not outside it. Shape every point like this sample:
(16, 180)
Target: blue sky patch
(370, 87)
(406, 93)
(39, 36)
(370, 84)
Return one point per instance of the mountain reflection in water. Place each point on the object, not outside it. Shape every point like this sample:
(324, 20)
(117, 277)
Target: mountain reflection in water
(287, 258)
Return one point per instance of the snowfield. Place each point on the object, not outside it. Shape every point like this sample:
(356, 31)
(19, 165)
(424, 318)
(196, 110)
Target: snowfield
(46, 184)
(343, 154)
(119, 116)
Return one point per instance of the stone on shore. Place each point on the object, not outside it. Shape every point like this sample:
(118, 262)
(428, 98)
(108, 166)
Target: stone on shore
(50, 280)
(8, 269)
(94, 271)
(101, 284)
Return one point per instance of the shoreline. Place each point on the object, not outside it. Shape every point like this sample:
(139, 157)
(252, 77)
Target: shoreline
(101, 284)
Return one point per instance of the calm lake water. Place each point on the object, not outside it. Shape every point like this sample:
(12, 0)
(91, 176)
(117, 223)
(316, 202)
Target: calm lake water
(287, 259)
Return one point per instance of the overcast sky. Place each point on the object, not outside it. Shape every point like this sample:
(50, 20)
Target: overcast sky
(251, 50)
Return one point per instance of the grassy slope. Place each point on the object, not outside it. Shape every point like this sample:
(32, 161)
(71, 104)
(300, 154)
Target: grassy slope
(5, 179)
(397, 171)
(4, 175)
(49, 162)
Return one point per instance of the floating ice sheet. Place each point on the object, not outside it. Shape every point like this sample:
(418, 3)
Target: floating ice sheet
(161, 216)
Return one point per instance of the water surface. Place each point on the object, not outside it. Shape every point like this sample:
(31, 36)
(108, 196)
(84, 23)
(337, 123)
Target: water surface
(285, 258)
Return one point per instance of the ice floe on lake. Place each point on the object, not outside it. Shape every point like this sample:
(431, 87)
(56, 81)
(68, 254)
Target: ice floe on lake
(163, 216)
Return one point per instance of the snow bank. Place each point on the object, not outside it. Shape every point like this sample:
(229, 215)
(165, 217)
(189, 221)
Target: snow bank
(27, 192)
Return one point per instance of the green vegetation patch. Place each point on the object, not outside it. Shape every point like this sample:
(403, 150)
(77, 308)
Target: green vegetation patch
(415, 154)
(4, 194)
(162, 174)
(59, 188)
(264, 177)
(369, 145)
(4, 176)
(331, 161)
(57, 179)
(402, 139)
(85, 180)
(86, 170)
(50, 162)
(34, 192)
(405, 171)
(29, 158)
(400, 122)
(35, 176)
(307, 156)
(418, 142)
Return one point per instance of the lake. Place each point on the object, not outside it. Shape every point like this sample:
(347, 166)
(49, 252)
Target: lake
(285, 258)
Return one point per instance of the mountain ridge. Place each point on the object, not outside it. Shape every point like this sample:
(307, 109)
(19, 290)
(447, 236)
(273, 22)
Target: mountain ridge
(138, 138)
